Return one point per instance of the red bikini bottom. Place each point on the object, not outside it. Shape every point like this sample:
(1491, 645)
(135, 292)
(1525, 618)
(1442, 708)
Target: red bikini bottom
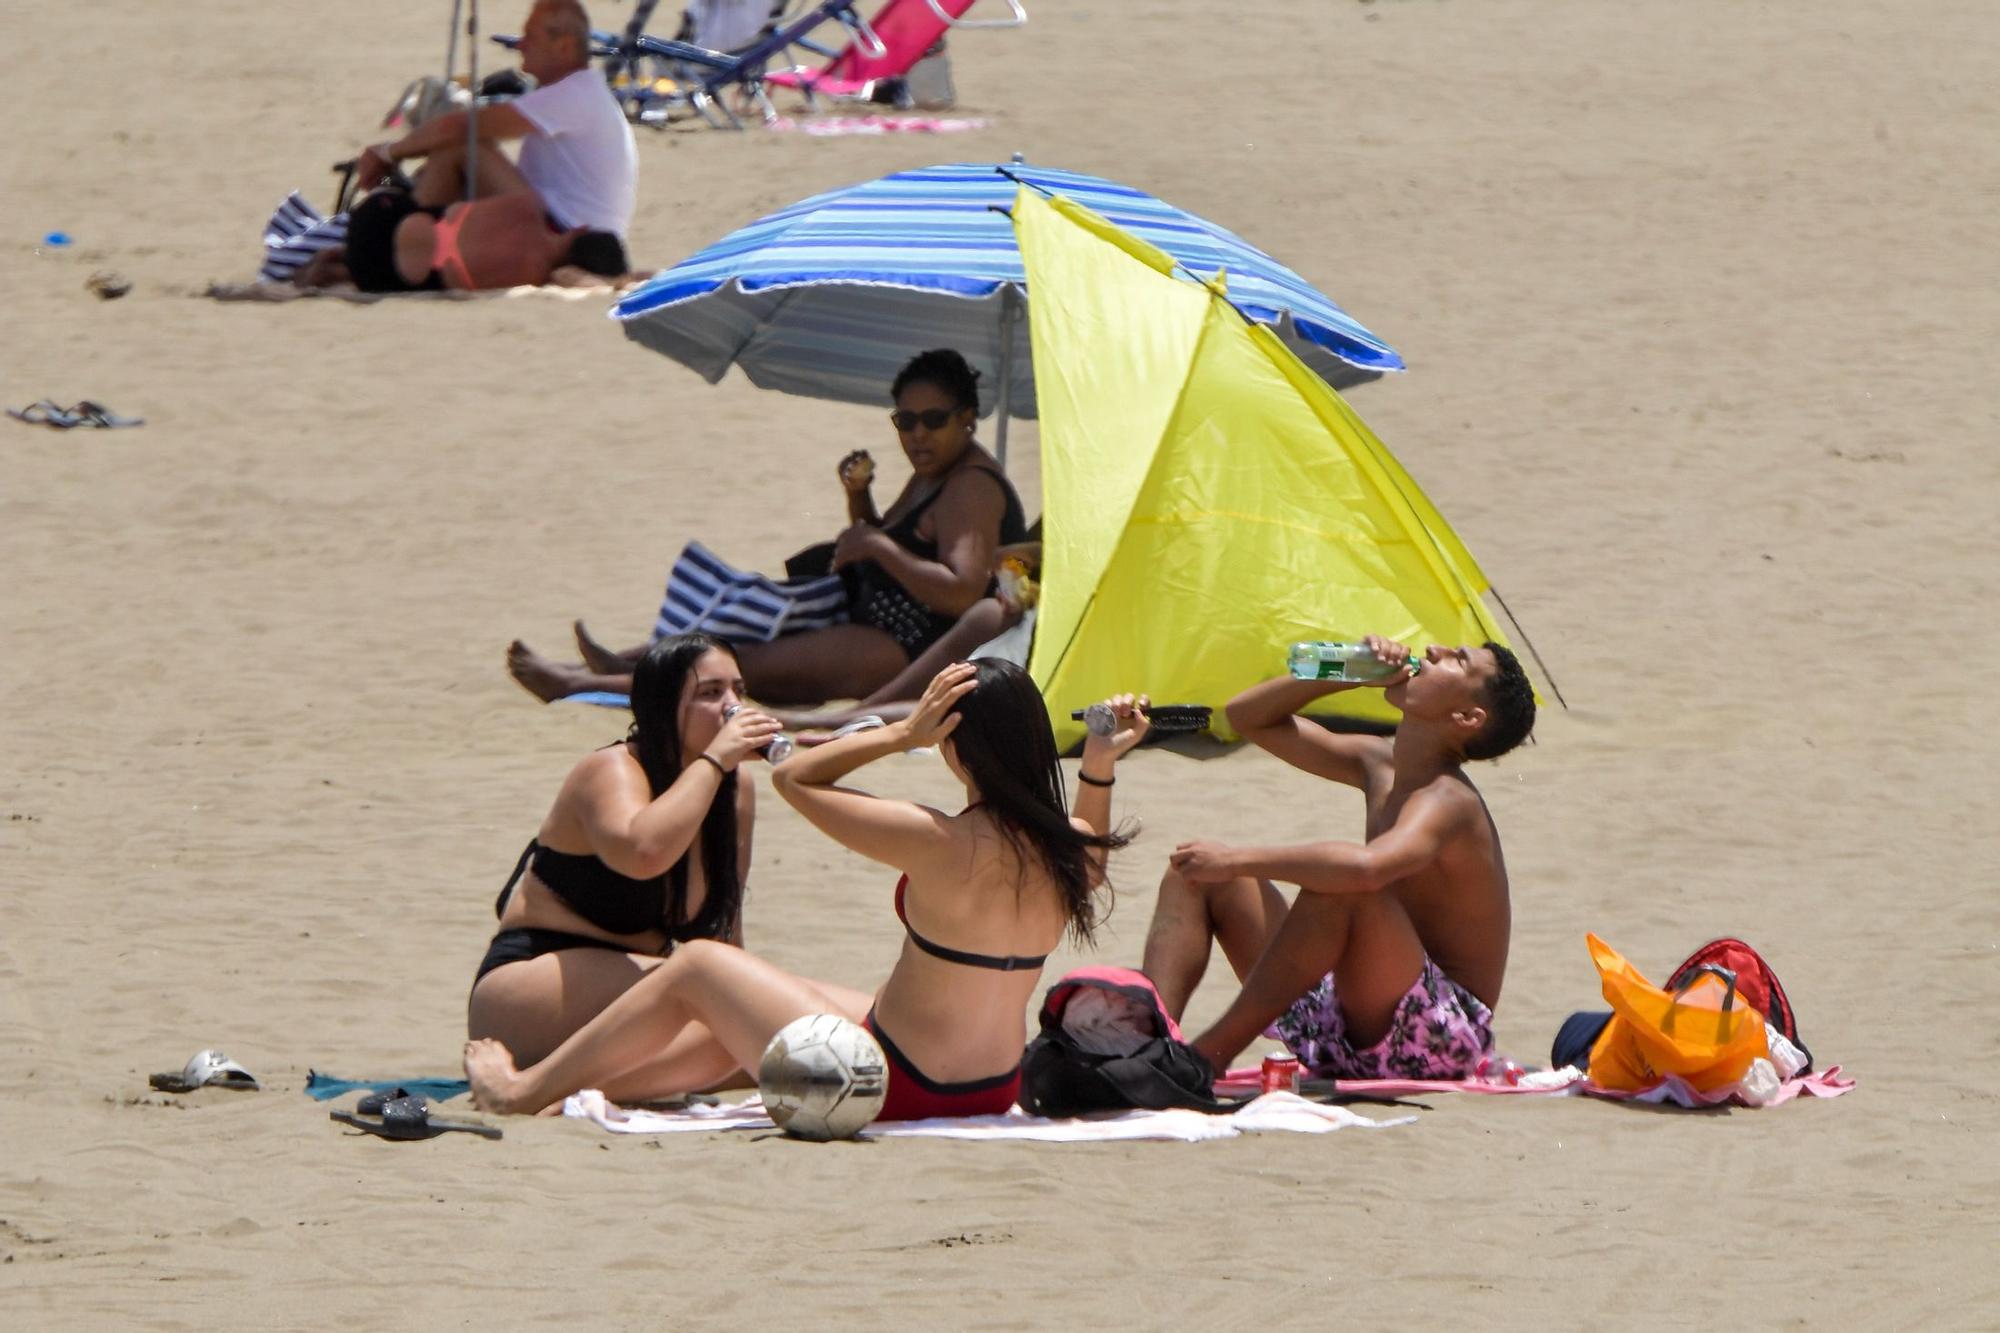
(913, 1095)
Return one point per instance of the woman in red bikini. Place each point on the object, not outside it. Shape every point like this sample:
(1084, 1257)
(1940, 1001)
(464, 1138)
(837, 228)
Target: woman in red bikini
(985, 895)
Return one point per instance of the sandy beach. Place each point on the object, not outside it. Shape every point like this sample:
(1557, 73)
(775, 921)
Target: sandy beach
(1697, 302)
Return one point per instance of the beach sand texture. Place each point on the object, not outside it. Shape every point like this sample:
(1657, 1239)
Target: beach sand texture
(1698, 301)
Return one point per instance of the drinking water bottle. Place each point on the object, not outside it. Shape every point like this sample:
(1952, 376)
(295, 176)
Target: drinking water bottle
(776, 750)
(1349, 662)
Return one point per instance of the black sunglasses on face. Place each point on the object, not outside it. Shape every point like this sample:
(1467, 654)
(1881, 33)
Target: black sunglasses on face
(933, 418)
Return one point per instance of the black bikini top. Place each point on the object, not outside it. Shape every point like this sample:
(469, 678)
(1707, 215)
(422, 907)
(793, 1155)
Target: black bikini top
(616, 904)
(1005, 964)
(1013, 520)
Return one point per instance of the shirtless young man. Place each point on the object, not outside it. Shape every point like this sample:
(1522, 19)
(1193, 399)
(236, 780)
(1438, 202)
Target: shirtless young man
(1389, 962)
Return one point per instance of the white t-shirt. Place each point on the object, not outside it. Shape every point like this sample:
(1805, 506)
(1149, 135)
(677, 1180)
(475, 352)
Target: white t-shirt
(583, 163)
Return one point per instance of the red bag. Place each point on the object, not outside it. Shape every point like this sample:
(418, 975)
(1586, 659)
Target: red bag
(1755, 982)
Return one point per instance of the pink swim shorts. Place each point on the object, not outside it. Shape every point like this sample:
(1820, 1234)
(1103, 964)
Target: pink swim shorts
(1440, 1031)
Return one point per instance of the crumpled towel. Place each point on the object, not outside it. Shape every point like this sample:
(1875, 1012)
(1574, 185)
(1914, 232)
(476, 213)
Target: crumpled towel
(1273, 1112)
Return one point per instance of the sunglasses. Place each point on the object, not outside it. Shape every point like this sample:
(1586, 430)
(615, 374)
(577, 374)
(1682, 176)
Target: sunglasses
(933, 418)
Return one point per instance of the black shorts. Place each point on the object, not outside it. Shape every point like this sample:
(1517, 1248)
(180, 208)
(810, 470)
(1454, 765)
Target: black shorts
(371, 242)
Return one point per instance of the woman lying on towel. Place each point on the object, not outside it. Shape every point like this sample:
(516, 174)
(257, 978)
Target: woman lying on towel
(507, 240)
(985, 894)
(916, 569)
(646, 848)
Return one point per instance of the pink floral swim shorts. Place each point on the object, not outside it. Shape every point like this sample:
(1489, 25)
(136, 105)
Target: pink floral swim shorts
(1440, 1030)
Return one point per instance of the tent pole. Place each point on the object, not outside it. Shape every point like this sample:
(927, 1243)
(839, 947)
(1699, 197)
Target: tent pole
(472, 107)
(1010, 314)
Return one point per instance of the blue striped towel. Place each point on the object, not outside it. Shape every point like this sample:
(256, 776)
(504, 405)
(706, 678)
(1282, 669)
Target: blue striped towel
(705, 592)
(296, 232)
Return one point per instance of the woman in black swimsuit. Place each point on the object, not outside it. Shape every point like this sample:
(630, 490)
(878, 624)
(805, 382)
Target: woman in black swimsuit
(646, 847)
(986, 893)
(914, 569)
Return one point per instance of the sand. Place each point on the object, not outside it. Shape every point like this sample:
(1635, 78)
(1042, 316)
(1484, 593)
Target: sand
(1698, 301)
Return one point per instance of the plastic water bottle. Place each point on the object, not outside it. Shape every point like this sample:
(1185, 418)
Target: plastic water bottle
(1498, 1069)
(776, 750)
(1352, 662)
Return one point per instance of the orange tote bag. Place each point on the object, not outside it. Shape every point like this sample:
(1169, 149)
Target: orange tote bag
(1704, 1033)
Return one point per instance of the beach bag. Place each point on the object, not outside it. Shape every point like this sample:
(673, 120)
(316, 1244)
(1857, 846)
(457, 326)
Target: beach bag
(1701, 1031)
(1755, 982)
(1108, 1044)
(705, 592)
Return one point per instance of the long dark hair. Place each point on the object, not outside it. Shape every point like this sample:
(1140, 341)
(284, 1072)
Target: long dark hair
(657, 683)
(1005, 744)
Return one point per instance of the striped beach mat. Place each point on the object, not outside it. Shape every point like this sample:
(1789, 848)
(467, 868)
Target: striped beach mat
(705, 592)
(296, 232)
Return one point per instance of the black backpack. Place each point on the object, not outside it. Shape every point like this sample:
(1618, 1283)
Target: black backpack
(1148, 1066)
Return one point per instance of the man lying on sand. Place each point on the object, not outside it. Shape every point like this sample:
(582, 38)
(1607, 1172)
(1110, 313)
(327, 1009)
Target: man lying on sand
(578, 164)
(1389, 962)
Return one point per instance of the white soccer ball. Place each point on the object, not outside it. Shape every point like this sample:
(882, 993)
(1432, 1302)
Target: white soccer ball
(823, 1077)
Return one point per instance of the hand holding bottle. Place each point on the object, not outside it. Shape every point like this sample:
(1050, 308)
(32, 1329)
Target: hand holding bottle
(1115, 726)
(744, 732)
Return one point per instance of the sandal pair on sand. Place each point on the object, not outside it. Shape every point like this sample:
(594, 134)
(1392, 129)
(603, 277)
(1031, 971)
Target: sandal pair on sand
(86, 413)
(404, 1116)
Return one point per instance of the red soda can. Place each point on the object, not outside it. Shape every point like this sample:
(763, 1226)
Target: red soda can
(1281, 1074)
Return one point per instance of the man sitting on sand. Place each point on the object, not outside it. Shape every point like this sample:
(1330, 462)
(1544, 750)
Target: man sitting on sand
(577, 157)
(1389, 962)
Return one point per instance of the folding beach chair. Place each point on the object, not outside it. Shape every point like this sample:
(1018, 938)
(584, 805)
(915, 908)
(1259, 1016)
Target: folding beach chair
(694, 78)
(907, 31)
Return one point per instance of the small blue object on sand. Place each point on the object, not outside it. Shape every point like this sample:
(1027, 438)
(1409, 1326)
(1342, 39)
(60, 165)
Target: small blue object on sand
(325, 1087)
(602, 698)
(56, 238)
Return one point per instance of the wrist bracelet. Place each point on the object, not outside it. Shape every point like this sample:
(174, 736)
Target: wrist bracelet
(713, 760)
(1090, 781)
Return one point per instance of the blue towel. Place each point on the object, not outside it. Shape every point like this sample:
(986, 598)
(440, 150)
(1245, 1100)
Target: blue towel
(325, 1087)
(602, 698)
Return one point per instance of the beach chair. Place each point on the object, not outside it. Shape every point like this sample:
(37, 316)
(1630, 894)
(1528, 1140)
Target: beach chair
(906, 31)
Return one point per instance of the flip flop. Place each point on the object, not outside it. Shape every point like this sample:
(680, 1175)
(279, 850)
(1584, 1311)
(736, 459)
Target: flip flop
(88, 413)
(44, 413)
(404, 1119)
(207, 1069)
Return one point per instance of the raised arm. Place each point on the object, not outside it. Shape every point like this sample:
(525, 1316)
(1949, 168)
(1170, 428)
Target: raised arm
(1267, 715)
(903, 834)
(496, 122)
(1413, 842)
(1095, 775)
(638, 834)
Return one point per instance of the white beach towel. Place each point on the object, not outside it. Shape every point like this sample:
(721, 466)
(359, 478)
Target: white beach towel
(1273, 1112)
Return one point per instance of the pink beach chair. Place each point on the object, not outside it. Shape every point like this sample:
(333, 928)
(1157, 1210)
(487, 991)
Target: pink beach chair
(907, 30)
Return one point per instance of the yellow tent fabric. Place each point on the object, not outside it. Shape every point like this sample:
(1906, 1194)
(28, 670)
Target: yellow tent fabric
(1208, 499)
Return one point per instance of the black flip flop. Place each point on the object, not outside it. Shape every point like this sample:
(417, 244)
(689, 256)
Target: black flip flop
(404, 1118)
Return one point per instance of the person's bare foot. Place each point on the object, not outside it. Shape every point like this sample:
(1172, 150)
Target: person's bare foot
(489, 1067)
(597, 657)
(546, 680)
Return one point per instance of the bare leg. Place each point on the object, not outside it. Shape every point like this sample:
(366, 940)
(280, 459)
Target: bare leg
(839, 662)
(440, 182)
(549, 680)
(688, 1065)
(1365, 939)
(740, 998)
(1241, 914)
(982, 621)
(605, 661)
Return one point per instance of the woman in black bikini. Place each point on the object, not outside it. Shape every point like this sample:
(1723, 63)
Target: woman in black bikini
(646, 848)
(1011, 873)
(916, 568)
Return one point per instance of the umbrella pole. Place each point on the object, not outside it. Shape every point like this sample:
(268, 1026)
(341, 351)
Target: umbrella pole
(471, 107)
(1010, 314)
(451, 42)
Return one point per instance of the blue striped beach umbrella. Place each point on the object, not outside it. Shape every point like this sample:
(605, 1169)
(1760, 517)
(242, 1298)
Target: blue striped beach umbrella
(829, 297)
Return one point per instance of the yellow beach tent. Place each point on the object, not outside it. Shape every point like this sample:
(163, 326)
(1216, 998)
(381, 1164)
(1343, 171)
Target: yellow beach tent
(1208, 499)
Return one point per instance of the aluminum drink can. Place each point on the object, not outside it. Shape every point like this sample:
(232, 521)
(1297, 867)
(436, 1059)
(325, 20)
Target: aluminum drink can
(1280, 1074)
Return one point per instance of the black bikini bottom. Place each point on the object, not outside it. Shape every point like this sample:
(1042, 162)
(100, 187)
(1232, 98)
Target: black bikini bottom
(521, 943)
